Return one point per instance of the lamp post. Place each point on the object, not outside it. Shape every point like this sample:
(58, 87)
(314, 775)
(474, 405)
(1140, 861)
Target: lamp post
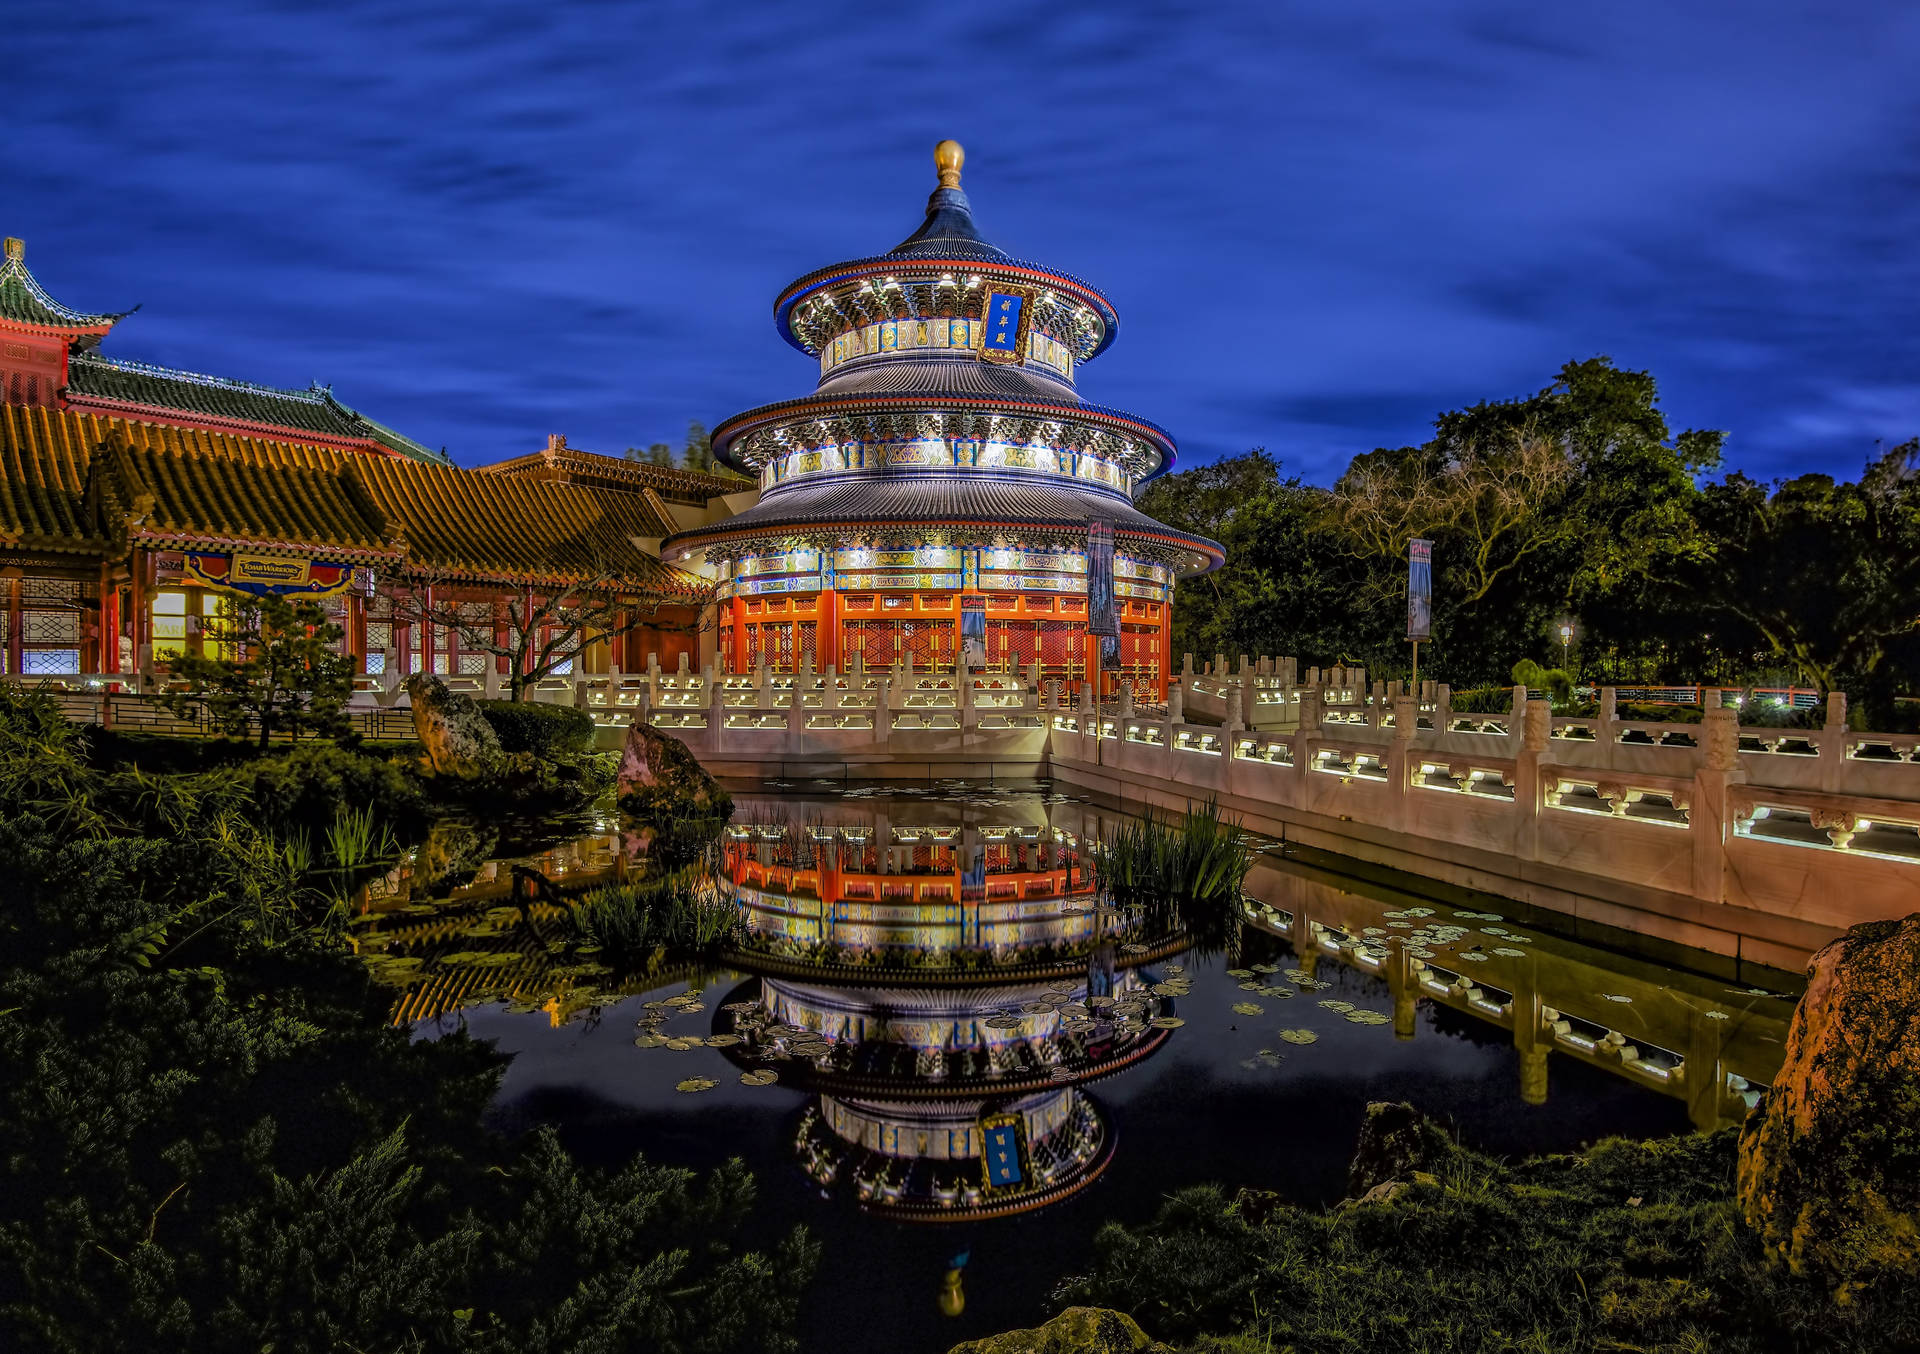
(1566, 638)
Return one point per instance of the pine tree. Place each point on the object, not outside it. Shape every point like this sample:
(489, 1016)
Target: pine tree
(275, 666)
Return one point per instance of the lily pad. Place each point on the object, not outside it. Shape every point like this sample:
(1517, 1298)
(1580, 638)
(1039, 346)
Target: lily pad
(1166, 1022)
(760, 1076)
(1341, 1006)
(693, 1085)
(1718, 1015)
(1508, 952)
(1476, 956)
(649, 1041)
(1616, 996)
(722, 1040)
(1368, 1018)
(1299, 1036)
(1247, 1008)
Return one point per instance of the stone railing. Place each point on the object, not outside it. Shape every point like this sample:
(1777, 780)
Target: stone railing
(1741, 839)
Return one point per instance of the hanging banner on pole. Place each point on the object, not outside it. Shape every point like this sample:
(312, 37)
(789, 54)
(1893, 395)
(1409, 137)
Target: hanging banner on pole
(1419, 589)
(1103, 616)
(973, 629)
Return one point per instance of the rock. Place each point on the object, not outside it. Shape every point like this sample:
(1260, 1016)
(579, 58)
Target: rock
(459, 741)
(1829, 1171)
(451, 856)
(1397, 1143)
(657, 770)
(1078, 1330)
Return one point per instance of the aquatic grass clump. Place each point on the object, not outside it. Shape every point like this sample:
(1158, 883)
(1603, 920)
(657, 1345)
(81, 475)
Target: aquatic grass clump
(684, 911)
(1178, 873)
(356, 838)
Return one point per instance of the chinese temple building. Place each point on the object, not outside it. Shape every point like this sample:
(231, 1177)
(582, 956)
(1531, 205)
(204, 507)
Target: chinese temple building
(137, 501)
(945, 491)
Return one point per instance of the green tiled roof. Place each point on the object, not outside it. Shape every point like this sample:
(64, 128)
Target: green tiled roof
(24, 301)
(91, 377)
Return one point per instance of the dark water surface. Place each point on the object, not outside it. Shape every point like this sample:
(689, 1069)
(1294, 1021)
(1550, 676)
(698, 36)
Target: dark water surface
(1219, 1098)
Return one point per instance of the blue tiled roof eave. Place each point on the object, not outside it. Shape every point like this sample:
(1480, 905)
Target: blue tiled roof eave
(934, 401)
(809, 283)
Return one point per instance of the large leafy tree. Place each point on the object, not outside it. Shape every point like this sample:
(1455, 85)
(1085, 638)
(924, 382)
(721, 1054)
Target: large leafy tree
(1286, 586)
(275, 666)
(1819, 576)
(1558, 501)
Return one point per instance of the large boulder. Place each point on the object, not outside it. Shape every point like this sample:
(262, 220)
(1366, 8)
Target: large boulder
(1078, 1330)
(1398, 1145)
(658, 773)
(1829, 1168)
(459, 741)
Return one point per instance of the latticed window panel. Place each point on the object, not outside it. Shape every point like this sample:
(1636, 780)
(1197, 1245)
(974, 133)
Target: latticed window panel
(473, 664)
(49, 627)
(872, 641)
(809, 632)
(379, 636)
(50, 662)
(52, 590)
(1012, 644)
(1062, 648)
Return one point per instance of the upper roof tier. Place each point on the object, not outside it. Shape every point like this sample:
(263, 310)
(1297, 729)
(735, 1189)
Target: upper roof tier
(944, 269)
(143, 390)
(25, 303)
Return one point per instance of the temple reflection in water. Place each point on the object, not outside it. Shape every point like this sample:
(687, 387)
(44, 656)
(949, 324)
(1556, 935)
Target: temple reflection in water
(929, 968)
(940, 975)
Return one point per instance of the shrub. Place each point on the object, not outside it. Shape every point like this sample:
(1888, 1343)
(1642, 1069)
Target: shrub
(1483, 700)
(302, 788)
(546, 731)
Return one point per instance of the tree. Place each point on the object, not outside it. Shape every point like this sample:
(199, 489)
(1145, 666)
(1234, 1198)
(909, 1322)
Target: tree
(660, 453)
(1823, 577)
(1286, 586)
(276, 666)
(698, 453)
(540, 633)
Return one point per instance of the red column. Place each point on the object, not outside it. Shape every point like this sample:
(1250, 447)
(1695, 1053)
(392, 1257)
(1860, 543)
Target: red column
(737, 660)
(826, 639)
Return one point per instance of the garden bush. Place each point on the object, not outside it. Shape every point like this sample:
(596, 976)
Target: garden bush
(546, 731)
(212, 1139)
(1627, 1246)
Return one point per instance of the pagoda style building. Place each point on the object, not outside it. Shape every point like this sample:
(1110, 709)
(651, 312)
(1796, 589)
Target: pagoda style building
(944, 492)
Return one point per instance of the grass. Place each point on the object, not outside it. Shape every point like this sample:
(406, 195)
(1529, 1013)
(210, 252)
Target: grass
(683, 911)
(1178, 873)
(1628, 1246)
(356, 837)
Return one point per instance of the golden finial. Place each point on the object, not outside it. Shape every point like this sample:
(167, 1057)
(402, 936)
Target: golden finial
(17, 248)
(949, 156)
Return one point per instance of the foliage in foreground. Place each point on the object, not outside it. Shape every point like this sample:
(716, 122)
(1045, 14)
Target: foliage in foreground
(1630, 1246)
(211, 1140)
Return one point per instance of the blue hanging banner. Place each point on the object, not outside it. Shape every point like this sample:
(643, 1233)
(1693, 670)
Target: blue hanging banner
(1419, 589)
(1003, 323)
(1003, 1151)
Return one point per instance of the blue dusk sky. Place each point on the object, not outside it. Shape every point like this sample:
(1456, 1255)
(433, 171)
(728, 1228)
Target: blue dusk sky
(1321, 223)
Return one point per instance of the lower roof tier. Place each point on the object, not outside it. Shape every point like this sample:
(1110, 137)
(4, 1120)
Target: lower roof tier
(1012, 503)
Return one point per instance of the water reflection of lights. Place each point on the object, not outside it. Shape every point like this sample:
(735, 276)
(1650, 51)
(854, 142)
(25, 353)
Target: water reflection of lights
(929, 976)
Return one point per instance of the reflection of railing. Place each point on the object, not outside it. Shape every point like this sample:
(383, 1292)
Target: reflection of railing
(1696, 1039)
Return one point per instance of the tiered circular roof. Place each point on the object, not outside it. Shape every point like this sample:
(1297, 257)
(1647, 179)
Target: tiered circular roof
(901, 342)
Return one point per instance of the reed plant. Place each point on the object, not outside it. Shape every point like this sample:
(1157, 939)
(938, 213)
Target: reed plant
(684, 911)
(356, 838)
(1177, 872)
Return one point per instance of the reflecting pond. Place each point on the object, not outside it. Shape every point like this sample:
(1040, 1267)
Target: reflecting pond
(931, 1039)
